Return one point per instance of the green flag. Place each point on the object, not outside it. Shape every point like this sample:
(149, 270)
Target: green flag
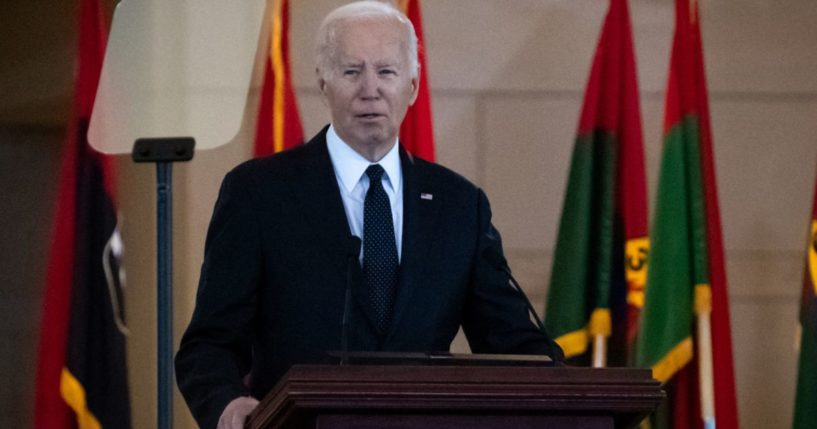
(805, 406)
(600, 259)
(685, 320)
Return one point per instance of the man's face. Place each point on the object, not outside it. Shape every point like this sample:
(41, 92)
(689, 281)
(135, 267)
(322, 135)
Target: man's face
(370, 86)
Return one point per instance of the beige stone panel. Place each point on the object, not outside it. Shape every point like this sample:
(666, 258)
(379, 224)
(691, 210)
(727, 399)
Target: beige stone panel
(760, 45)
(137, 205)
(314, 113)
(763, 336)
(305, 18)
(528, 142)
(756, 46)
(523, 44)
(765, 158)
(532, 268)
(652, 29)
(455, 134)
(764, 273)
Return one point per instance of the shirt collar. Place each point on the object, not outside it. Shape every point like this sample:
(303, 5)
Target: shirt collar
(350, 165)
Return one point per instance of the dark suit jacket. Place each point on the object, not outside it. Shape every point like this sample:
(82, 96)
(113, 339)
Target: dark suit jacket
(273, 281)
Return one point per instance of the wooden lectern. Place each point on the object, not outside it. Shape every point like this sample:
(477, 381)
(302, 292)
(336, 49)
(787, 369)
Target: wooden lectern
(456, 395)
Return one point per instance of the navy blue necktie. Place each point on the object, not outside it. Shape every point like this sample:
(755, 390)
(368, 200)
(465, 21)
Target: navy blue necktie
(379, 249)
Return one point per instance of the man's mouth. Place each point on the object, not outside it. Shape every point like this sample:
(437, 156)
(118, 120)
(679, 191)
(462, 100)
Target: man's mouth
(369, 115)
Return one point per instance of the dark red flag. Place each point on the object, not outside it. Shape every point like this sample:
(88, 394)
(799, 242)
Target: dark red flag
(81, 372)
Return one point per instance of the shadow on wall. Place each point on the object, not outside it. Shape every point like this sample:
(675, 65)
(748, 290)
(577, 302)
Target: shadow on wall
(29, 166)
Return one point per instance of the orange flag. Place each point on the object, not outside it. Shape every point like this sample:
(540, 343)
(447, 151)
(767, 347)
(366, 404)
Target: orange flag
(279, 124)
(417, 130)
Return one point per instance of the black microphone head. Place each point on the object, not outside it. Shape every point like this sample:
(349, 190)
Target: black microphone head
(493, 256)
(353, 246)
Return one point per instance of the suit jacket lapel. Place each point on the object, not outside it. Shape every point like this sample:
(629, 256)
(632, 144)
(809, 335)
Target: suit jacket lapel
(316, 189)
(420, 212)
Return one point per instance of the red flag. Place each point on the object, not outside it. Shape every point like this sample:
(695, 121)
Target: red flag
(279, 124)
(417, 129)
(81, 373)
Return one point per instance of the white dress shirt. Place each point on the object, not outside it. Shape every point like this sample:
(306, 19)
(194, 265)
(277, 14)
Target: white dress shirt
(350, 171)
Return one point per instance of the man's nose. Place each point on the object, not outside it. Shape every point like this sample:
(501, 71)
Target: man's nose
(369, 85)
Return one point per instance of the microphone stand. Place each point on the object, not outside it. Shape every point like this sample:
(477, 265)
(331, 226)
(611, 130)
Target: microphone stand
(494, 257)
(353, 250)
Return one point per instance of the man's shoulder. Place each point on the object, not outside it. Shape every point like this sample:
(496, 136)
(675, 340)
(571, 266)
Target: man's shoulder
(283, 165)
(441, 176)
(275, 163)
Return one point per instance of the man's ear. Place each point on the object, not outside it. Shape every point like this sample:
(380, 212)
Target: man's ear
(415, 89)
(321, 81)
(320, 74)
(322, 87)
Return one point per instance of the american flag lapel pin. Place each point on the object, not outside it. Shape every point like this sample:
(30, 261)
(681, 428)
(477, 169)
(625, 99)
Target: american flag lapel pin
(426, 196)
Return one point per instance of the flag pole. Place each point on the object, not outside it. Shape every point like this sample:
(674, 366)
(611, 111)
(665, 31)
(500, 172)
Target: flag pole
(599, 351)
(703, 304)
(600, 328)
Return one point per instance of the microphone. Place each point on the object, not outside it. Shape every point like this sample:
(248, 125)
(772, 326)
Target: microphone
(352, 251)
(494, 257)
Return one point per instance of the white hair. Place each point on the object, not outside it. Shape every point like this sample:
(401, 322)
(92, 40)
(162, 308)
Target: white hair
(326, 40)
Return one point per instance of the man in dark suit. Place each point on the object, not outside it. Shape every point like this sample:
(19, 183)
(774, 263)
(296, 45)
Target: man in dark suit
(279, 254)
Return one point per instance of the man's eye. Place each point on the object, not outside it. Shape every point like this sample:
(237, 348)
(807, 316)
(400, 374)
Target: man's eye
(386, 72)
(351, 72)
